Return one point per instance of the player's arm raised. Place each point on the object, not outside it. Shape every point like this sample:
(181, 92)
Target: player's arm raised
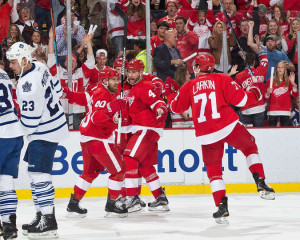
(236, 96)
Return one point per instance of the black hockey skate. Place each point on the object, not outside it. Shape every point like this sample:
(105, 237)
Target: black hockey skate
(264, 190)
(33, 223)
(115, 208)
(46, 228)
(1, 230)
(133, 204)
(221, 216)
(10, 229)
(160, 204)
(142, 203)
(74, 210)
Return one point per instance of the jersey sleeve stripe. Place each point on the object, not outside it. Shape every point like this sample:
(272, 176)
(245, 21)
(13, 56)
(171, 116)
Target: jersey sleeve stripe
(9, 122)
(26, 117)
(28, 126)
(153, 105)
(52, 130)
(2, 114)
(61, 115)
(243, 102)
(56, 83)
(59, 91)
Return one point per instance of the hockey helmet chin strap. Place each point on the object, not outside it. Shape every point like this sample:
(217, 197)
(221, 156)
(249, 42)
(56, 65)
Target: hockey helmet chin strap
(22, 67)
(196, 72)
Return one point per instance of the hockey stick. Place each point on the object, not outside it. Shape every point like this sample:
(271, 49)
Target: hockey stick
(236, 38)
(122, 14)
(54, 39)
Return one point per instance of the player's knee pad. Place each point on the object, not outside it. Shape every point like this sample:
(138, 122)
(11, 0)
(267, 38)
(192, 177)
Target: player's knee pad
(148, 172)
(6, 183)
(131, 163)
(214, 172)
(38, 177)
(89, 177)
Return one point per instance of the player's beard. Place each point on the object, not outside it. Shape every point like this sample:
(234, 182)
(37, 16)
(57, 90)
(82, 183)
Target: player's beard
(112, 89)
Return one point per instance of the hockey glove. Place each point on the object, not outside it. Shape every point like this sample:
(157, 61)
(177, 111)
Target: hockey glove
(170, 86)
(67, 94)
(256, 91)
(115, 106)
(158, 86)
(162, 114)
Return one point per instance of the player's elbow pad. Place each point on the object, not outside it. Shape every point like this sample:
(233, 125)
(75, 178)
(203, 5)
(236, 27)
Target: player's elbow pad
(98, 117)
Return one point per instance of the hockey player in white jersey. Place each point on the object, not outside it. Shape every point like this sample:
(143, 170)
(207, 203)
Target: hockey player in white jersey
(44, 123)
(11, 143)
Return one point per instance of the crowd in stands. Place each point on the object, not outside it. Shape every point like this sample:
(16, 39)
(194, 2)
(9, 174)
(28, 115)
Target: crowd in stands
(266, 29)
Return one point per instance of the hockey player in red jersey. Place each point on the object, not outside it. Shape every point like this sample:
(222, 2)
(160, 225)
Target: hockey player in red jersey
(254, 114)
(97, 143)
(148, 113)
(216, 123)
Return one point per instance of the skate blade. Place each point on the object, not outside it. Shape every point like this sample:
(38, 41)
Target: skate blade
(75, 215)
(267, 195)
(25, 232)
(222, 220)
(163, 208)
(14, 236)
(45, 235)
(116, 215)
(135, 208)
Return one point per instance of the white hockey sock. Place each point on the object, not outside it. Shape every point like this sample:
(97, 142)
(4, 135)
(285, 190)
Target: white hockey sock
(45, 195)
(35, 201)
(8, 204)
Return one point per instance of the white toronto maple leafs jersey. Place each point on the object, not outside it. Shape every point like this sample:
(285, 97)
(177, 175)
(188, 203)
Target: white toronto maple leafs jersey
(42, 116)
(9, 125)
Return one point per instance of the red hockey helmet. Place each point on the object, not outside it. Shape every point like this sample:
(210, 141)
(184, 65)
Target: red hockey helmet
(108, 72)
(136, 65)
(118, 62)
(206, 62)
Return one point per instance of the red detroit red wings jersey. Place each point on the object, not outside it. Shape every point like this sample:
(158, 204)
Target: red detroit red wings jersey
(209, 96)
(105, 125)
(143, 102)
(245, 80)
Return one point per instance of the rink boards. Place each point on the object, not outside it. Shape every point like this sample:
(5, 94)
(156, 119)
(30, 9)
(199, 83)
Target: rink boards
(181, 168)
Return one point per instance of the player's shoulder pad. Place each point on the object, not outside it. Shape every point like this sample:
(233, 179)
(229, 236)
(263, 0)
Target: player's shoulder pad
(3, 75)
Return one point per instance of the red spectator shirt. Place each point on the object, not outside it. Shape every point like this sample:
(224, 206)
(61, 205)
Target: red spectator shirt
(235, 21)
(187, 44)
(5, 20)
(280, 99)
(171, 22)
(245, 80)
(209, 96)
(155, 42)
(43, 3)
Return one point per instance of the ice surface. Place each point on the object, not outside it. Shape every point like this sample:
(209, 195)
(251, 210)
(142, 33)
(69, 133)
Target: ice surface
(190, 218)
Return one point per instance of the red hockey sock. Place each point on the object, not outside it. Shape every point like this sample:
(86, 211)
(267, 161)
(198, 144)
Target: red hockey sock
(257, 168)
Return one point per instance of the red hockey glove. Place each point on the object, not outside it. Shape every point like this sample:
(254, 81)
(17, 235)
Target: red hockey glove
(158, 86)
(67, 94)
(115, 106)
(256, 91)
(170, 86)
(162, 114)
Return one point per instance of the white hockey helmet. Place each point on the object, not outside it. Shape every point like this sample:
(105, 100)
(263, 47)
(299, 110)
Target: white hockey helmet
(18, 51)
